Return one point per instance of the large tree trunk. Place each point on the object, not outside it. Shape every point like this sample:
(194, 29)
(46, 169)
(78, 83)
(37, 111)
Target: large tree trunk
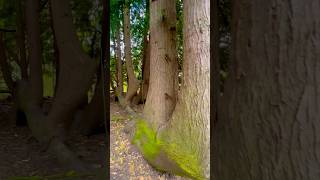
(74, 64)
(268, 125)
(180, 144)
(133, 82)
(162, 92)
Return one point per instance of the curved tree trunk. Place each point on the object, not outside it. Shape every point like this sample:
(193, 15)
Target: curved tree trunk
(268, 125)
(181, 143)
(162, 92)
(133, 82)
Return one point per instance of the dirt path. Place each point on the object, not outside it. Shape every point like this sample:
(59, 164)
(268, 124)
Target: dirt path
(126, 163)
(22, 155)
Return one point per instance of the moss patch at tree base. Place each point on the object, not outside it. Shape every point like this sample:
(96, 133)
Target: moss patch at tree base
(166, 156)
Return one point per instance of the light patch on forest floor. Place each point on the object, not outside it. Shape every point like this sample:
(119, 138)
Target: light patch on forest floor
(126, 163)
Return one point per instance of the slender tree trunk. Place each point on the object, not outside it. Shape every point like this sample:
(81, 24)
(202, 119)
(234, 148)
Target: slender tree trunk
(163, 85)
(268, 125)
(119, 64)
(133, 82)
(145, 69)
(20, 39)
(5, 67)
(34, 58)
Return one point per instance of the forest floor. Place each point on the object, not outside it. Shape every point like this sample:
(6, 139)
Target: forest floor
(126, 163)
(22, 156)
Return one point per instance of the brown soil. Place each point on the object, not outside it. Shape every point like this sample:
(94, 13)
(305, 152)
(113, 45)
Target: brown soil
(22, 156)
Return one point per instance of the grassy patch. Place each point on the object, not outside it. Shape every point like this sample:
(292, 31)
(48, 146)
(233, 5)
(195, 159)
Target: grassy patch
(117, 118)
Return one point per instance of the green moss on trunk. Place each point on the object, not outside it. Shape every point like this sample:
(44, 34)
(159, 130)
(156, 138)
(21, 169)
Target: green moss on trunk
(172, 157)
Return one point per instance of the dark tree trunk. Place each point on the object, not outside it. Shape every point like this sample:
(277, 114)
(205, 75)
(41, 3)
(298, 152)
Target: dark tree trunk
(20, 39)
(34, 57)
(268, 123)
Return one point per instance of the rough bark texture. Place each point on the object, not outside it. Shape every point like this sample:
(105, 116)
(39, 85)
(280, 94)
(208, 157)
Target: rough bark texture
(133, 82)
(34, 55)
(268, 126)
(181, 145)
(162, 92)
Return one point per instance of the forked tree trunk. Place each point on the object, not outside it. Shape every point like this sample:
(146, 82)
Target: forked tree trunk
(75, 78)
(268, 125)
(181, 145)
(162, 92)
(133, 82)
